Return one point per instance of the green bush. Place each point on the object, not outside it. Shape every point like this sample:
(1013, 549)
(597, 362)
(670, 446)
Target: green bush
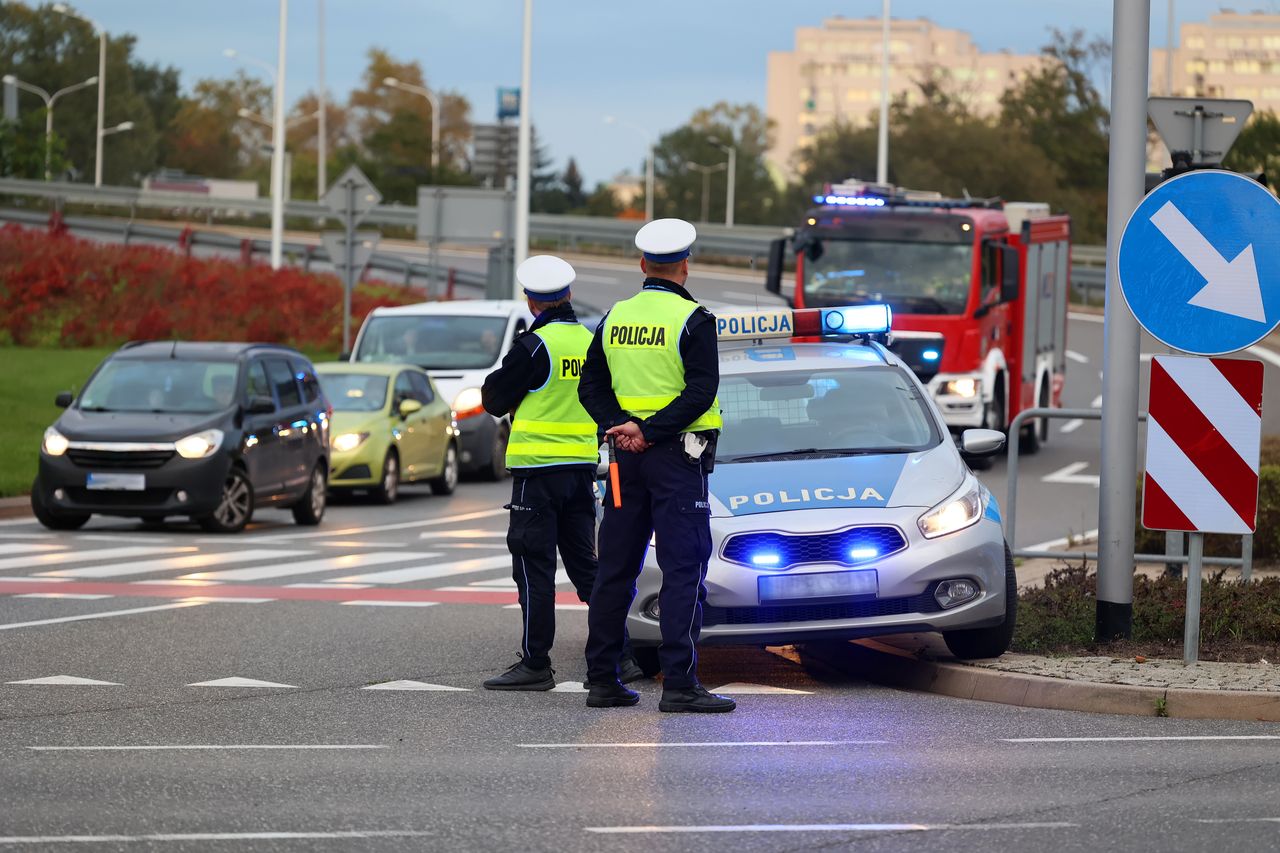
(1060, 615)
(1266, 541)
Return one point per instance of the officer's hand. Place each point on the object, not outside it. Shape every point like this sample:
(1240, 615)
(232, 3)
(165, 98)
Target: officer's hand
(629, 437)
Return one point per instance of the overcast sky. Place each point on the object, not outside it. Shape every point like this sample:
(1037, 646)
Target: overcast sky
(650, 62)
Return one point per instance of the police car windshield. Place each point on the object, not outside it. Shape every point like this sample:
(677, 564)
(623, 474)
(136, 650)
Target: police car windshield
(832, 412)
(435, 341)
(912, 277)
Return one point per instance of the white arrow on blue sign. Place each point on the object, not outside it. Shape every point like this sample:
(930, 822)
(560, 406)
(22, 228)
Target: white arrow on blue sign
(1199, 262)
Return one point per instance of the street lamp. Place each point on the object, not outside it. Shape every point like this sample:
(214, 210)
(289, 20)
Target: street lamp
(434, 100)
(733, 177)
(648, 163)
(64, 9)
(250, 115)
(277, 132)
(119, 128)
(49, 101)
(706, 182)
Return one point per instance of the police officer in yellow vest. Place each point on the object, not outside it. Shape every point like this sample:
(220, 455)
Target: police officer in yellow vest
(650, 381)
(552, 453)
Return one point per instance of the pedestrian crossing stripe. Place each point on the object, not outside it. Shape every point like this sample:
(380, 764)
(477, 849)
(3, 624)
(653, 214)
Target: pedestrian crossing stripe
(240, 682)
(66, 679)
(413, 685)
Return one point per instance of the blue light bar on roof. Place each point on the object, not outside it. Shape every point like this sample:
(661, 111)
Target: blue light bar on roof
(850, 200)
(857, 320)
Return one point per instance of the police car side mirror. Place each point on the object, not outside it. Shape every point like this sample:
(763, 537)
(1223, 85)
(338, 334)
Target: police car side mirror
(981, 442)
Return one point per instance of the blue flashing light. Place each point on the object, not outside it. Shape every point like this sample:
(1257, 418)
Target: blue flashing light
(863, 553)
(857, 320)
(766, 559)
(930, 355)
(850, 200)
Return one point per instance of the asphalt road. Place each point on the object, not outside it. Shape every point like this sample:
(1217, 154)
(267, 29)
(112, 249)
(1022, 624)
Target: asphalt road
(329, 752)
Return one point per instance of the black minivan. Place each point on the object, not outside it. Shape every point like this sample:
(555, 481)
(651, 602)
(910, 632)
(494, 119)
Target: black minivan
(206, 430)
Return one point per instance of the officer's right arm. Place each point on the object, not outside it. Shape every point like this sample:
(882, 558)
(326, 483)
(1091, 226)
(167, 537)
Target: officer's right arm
(595, 388)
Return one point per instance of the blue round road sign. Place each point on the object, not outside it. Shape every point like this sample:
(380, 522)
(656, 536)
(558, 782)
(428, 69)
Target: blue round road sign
(1199, 262)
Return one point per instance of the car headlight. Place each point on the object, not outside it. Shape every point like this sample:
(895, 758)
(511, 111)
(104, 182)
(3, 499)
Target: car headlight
(962, 387)
(468, 403)
(199, 445)
(55, 443)
(955, 513)
(349, 441)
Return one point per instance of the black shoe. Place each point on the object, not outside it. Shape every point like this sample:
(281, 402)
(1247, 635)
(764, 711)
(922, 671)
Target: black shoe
(523, 677)
(695, 700)
(610, 696)
(629, 671)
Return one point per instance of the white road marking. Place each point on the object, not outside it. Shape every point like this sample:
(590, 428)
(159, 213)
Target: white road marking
(440, 570)
(569, 687)
(333, 585)
(356, 543)
(370, 603)
(14, 522)
(170, 564)
(159, 747)
(414, 685)
(80, 596)
(66, 679)
(346, 562)
(562, 577)
(37, 561)
(403, 525)
(1237, 820)
(26, 535)
(1070, 475)
(1136, 738)
(1072, 425)
(107, 615)
(1097, 402)
(709, 743)
(168, 582)
(1086, 318)
(1077, 357)
(1087, 536)
(30, 579)
(235, 681)
(27, 547)
(464, 534)
(116, 537)
(825, 827)
(558, 607)
(209, 836)
(745, 688)
(216, 599)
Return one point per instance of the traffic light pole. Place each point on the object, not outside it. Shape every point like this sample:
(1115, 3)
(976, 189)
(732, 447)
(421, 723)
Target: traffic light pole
(1126, 181)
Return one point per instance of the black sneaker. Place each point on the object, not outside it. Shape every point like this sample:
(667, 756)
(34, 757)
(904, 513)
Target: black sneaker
(694, 700)
(610, 696)
(523, 677)
(629, 671)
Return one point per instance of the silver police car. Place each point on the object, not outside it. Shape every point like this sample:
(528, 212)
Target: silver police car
(840, 505)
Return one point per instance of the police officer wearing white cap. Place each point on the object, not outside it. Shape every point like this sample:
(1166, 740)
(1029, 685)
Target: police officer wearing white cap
(650, 381)
(552, 453)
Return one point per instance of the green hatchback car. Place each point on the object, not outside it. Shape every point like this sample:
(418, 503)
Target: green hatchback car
(389, 427)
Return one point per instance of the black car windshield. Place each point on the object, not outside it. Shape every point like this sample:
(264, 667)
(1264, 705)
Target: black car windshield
(435, 341)
(355, 392)
(177, 386)
(914, 278)
(835, 412)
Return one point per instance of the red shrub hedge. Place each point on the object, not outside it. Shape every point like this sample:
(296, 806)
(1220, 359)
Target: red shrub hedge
(58, 290)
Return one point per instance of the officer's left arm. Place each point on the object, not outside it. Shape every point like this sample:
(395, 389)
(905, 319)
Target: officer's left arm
(524, 368)
(701, 380)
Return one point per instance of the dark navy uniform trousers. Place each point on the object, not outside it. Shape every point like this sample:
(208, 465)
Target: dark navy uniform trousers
(548, 509)
(663, 492)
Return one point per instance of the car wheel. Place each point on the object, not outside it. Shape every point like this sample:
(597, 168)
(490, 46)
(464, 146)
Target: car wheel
(309, 510)
(49, 518)
(448, 479)
(389, 486)
(990, 642)
(497, 468)
(647, 658)
(235, 507)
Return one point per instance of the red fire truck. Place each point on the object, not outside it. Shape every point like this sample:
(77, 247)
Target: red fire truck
(978, 290)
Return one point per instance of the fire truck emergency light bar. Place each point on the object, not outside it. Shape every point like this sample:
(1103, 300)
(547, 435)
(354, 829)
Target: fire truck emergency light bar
(851, 320)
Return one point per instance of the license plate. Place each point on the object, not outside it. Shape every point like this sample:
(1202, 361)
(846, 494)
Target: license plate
(822, 585)
(117, 482)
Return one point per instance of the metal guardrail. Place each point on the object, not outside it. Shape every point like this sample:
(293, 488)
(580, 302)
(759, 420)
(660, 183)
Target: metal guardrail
(303, 255)
(1010, 509)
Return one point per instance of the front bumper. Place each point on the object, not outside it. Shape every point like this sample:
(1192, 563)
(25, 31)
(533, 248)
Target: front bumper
(476, 438)
(359, 468)
(733, 613)
(63, 486)
(959, 412)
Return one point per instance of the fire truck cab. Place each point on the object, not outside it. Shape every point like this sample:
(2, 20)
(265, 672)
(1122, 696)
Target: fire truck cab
(978, 290)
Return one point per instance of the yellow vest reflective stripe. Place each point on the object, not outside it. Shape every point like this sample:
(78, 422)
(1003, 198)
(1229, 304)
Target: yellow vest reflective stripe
(641, 340)
(550, 426)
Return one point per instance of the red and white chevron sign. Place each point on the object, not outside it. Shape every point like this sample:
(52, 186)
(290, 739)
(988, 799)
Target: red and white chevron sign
(1204, 433)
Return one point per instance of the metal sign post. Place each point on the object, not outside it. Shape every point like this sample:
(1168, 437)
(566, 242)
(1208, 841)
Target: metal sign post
(1191, 624)
(350, 199)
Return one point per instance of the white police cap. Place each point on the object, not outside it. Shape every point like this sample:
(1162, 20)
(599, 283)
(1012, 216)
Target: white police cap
(665, 241)
(546, 278)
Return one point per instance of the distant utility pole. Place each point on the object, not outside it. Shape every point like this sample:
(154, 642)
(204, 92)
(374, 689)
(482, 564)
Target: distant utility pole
(524, 150)
(1168, 55)
(882, 138)
(322, 98)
